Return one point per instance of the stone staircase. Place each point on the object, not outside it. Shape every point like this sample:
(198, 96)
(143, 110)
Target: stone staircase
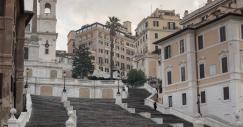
(105, 113)
(136, 100)
(47, 112)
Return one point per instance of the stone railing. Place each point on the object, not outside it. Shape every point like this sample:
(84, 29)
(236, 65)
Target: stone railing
(24, 116)
(72, 115)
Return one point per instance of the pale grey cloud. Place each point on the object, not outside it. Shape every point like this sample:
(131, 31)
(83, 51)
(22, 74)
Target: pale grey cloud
(72, 14)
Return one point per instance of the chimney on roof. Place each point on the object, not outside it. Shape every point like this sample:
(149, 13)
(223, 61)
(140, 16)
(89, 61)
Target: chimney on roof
(128, 25)
(186, 13)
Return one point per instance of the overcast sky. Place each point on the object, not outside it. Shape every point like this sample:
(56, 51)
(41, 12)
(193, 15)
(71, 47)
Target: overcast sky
(72, 14)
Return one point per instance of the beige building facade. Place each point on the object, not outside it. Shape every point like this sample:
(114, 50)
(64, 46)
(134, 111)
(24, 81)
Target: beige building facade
(97, 38)
(13, 19)
(202, 64)
(156, 26)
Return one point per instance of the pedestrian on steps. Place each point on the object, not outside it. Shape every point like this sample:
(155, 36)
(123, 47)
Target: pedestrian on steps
(155, 106)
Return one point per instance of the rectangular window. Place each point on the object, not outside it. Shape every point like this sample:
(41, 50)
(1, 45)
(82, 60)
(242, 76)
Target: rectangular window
(101, 68)
(182, 46)
(203, 97)
(226, 93)
(171, 25)
(156, 23)
(122, 66)
(146, 24)
(156, 36)
(183, 74)
(46, 51)
(26, 53)
(167, 52)
(2, 7)
(184, 99)
(202, 72)
(100, 60)
(242, 31)
(169, 78)
(170, 101)
(224, 65)
(200, 42)
(222, 34)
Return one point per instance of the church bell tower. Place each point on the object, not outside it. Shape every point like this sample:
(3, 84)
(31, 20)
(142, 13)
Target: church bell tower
(47, 30)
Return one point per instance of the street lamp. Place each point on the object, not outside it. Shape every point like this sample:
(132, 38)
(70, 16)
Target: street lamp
(119, 75)
(64, 87)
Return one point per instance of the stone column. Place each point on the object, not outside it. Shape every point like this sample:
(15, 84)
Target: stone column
(19, 63)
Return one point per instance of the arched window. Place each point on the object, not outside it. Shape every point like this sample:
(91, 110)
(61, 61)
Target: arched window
(47, 8)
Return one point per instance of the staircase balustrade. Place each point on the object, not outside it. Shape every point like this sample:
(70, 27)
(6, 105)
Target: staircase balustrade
(24, 116)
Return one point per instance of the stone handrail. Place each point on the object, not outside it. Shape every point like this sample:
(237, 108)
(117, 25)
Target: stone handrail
(24, 116)
(72, 115)
(73, 82)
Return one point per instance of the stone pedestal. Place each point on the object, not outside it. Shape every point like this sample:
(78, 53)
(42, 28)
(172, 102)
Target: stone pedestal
(198, 122)
(118, 99)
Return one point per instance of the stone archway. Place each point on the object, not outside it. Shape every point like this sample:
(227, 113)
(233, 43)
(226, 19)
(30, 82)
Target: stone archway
(107, 93)
(46, 91)
(84, 93)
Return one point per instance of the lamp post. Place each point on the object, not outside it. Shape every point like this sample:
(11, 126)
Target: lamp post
(119, 75)
(64, 84)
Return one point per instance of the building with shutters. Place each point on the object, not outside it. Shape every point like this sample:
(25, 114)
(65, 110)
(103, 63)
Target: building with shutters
(97, 38)
(158, 25)
(13, 19)
(202, 64)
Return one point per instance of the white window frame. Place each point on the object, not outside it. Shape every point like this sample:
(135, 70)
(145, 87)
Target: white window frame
(205, 74)
(169, 70)
(219, 37)
(183, 45)
(222, 55)
(183, 65)
(205, 97)
(222, 93)
(198, 42)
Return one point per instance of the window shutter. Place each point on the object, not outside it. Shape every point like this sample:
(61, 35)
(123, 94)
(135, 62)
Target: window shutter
(169, 77)
(203, 97)
(200, 42)
(224, 65)
(226, 93)
(202, 73)
(184, 99)
(183, 73)
(222, 34)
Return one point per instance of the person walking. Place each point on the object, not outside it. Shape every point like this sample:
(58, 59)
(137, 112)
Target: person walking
(155, 106)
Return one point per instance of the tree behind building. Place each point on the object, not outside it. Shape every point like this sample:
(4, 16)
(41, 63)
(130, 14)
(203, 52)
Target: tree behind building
(82, 63)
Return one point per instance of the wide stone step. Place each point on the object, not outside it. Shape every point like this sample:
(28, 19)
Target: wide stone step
(47, 112)
(136, 100)
(105, 113)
